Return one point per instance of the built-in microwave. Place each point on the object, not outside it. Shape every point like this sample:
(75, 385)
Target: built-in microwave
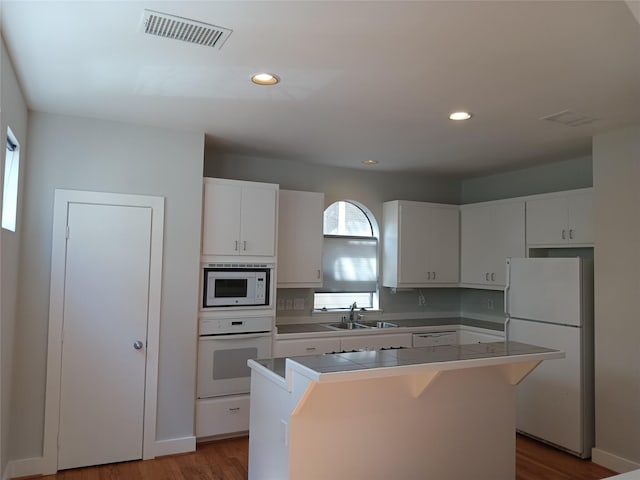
(236, 285)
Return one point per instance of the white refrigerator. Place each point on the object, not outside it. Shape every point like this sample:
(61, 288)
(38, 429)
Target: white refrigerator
(549, 302)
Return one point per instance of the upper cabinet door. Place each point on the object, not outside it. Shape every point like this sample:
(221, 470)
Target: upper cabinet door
(239, 218)
(420, 244)
(560, 219)
(547, 221)
(490, 233)
(258, 221)
(221, 219)
(444, 238)
(412, 254)
(300, 239)
(580, 218)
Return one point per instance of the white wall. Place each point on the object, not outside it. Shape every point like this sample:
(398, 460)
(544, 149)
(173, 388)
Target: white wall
(13, 113)
(616, 179)
(86, 154)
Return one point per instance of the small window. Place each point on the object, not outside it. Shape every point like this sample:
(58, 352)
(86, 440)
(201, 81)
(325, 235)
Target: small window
(11, 176)
(350, 259)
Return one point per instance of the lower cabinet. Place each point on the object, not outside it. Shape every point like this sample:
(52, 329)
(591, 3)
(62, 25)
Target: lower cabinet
(376, 342)
(434, 339)
(222, 415)
(478, 336)
(299, 347)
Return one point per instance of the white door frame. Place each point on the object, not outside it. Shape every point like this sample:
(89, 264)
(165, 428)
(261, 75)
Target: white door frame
(56, 312)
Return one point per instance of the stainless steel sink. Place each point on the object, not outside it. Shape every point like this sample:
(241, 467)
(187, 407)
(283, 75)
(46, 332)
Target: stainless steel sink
(378, 324)
(360, 325)
(346, 326)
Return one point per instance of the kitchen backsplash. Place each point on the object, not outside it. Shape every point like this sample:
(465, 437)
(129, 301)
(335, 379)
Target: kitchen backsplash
(298, 302)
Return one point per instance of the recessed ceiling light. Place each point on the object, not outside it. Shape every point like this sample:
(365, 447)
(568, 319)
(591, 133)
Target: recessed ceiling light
(370, 162)
(265, 79)
(460, 116)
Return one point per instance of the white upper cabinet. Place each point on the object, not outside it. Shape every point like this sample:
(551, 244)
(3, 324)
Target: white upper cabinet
(561, 219)
(300, 239)
(490, 233)
(421, 244)
(239, 218)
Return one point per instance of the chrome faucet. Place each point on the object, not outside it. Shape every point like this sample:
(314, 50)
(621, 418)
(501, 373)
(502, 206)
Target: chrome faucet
(352, 315)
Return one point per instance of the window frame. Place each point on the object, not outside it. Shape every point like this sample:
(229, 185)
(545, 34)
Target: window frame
(372, 302)
(10, 183)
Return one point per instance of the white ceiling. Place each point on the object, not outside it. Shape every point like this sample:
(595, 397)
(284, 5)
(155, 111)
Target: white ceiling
(360, 80)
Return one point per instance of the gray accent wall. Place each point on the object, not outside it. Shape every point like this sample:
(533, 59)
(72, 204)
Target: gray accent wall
(551, 177)
(13, 113)
(86, 154)
(616, 178)
(368, 187)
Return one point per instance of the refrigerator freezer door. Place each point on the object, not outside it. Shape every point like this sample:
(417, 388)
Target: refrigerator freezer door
(545, 289)
(550, 399)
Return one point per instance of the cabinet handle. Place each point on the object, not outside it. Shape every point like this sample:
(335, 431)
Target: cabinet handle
(318, 274)
(236, 247)
(486, 276)
(434, 275)
(428, 275)
(310, 349)
(564, 236)
(571, 234)
(493, 277)
(244, 247)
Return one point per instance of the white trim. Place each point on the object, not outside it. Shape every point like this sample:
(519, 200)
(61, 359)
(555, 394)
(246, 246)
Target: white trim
(174, 446)
(613, 462)
(26, 467)
(54, 355)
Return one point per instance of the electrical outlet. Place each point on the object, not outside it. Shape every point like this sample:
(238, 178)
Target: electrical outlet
(421, 300)
(288, 304)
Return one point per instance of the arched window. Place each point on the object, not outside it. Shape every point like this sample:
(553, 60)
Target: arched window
(350, 258)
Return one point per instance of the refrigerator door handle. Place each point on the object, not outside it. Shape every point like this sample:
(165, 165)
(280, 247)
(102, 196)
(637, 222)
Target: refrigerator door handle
(507, 287)
(507, 320)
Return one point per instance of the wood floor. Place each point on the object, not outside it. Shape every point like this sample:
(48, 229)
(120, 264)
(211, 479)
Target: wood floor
(227, 460)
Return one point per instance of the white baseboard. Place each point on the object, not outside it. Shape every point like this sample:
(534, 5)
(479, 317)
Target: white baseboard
(173, 446)
(613, 462)
(35, 466)
(25, 467)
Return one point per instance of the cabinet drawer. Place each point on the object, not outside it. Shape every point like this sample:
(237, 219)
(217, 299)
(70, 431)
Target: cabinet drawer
(433, 339)
(222, 415)
(297, 348)
(376, 342)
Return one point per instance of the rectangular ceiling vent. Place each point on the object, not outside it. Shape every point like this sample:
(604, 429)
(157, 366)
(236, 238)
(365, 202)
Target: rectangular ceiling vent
(569, 118)
(187, 30)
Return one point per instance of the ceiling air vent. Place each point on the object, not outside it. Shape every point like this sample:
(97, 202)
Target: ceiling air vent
(569, 118)
(178, 28)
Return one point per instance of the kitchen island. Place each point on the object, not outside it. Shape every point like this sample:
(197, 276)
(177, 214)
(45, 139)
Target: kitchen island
(442, 413)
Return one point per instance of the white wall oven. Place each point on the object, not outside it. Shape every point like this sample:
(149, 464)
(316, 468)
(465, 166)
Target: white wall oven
(227, 285)
(225, 345)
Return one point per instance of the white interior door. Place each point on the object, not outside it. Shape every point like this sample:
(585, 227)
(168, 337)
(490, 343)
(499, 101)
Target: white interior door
(106, 302)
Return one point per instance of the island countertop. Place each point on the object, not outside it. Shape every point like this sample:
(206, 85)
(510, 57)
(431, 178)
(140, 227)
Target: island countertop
(403, 361)
(426, 404)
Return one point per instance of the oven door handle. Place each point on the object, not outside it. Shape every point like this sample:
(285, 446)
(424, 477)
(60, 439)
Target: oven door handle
(235, 336)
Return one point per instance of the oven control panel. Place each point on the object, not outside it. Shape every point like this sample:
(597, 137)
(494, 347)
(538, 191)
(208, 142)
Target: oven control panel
(237, 325)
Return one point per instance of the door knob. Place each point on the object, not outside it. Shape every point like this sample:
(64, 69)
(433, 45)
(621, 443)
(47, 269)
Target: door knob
(138, 344)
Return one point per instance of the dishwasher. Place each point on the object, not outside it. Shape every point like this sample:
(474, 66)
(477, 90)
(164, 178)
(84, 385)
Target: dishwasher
(432, 339)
